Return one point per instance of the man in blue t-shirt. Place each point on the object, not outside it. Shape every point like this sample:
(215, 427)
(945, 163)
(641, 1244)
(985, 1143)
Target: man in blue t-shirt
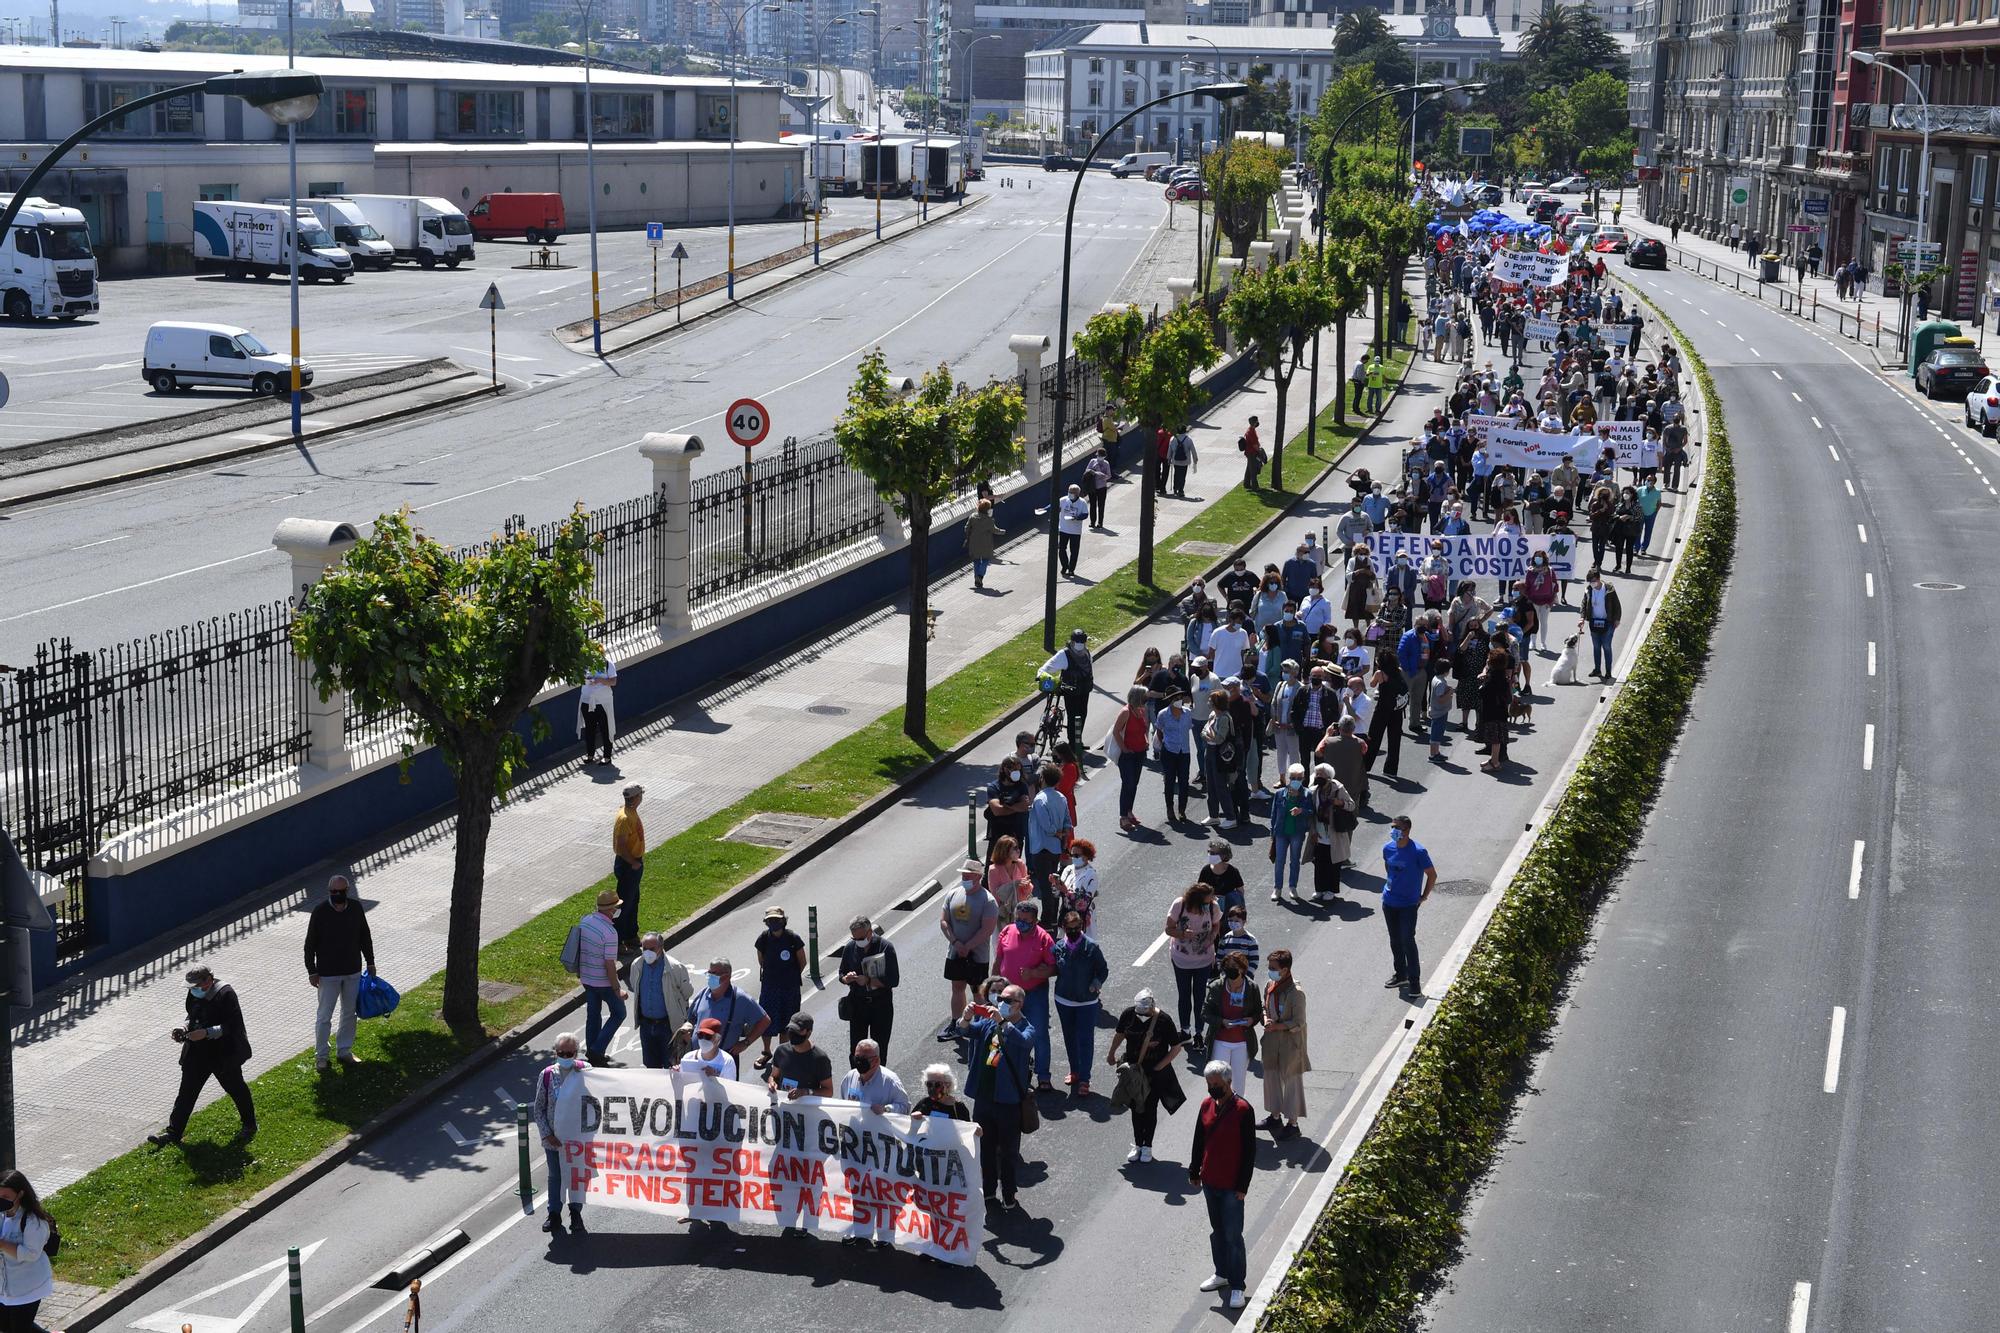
(1407, 880)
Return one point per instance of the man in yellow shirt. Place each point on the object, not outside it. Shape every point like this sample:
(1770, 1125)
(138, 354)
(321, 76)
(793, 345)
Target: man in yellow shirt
(628, 846)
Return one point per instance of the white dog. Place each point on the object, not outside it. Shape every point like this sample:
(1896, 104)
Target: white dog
(1565, 668)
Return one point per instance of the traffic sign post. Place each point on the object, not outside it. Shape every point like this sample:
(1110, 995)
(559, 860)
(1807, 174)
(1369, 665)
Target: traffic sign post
(656, 236)
(747, 424)
(679, 257)
(493, 305)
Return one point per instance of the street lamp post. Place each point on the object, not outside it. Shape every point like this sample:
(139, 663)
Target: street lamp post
(875, 82)
(590, 183)
(967, 53)
(298, 395)
(812, 127)
(736, 57)
(1221, 92)
(1873, 60)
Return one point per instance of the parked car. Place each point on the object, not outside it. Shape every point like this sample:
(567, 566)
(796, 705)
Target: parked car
(1579, 231)
(1529, 189)
(1611, 240)
(1487, 196)
(1647, 253)
(1061, 162)
(1982, 406)
(1952, 367)
(1191, 189)
(180, 356)
(1545, 209)
(1570, 185)
(1139, 162)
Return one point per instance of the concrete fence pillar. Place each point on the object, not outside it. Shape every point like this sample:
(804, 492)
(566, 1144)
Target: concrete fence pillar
(1027, 349)
(315, 546)
(672, 458)
(1261, 253)
(1181, 289)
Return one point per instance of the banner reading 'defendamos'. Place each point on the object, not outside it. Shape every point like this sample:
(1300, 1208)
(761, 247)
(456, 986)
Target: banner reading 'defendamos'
(715, 1150)
(1485, 556)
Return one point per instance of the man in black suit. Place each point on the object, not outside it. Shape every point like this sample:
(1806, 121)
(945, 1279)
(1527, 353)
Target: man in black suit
(213, 1044)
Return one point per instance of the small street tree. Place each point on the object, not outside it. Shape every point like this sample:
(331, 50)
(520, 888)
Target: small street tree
(919, 449)
(1158, 388)
(1242, 178)
(1275, 312)
(1343, 271)
(463, 644)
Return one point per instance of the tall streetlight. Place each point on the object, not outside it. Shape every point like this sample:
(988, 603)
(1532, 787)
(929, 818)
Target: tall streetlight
(1221, 92)
(735, 45)
(875, 84)
(292, 257)
(967, 53)
(812, 115)
(590, 183)
(1873, 60)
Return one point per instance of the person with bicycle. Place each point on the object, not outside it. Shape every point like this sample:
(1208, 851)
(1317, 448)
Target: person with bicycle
(1069, 675)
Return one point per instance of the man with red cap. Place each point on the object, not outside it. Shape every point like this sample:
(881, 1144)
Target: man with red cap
(708, 1057)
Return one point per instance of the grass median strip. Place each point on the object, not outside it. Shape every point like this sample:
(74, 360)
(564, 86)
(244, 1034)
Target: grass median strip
(125, 1213)
(1393, 1221)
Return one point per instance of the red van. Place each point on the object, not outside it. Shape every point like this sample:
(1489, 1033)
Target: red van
(539, 217)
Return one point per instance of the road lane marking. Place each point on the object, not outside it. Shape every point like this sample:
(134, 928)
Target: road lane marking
(1871, 657)
(1801, 1307)
(1755, 352)
(1836, 1037)
(1776, 376)
(1854, 870)
(134, 587)
(1737, 336)
(1868, 582)
(1795, 397)
(1816, 424)
(1868, 747)
(1151, 949)
(550, 426)
(1862, 528)
(106, 542)
(1835, 452)
(1848, 484)
(175, 1320)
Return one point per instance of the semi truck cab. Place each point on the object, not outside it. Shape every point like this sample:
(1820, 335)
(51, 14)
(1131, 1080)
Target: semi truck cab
(47, 268)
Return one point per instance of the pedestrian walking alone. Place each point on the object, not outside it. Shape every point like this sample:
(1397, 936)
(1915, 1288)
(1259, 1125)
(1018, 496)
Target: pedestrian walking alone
(628, 866)
(26, 1279)
(214, 1044)
(1072, 512)
(1407, 880)
(982, 539)
(596, 717)
(338, 946)
(1182, 456)
(1221, 1162)
(1097, 478)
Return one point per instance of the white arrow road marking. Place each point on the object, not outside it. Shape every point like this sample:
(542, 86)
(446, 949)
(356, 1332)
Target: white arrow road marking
(451, 1131)
(170, 1321)
(505, 1100)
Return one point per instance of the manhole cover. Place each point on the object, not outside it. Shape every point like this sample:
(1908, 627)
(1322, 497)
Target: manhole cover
(1461, 888)
(1942, 587)
(828, 710)
(1204, 548)
(498, 992)
(769, 830)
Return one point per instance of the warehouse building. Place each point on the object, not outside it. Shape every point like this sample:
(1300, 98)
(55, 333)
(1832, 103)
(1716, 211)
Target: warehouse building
(448, 129)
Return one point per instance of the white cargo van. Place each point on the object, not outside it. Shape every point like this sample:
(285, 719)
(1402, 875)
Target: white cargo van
(180, 356)
(47, 270)
(1137, 163)
(351, 231)
(424, 229)
(256, 240)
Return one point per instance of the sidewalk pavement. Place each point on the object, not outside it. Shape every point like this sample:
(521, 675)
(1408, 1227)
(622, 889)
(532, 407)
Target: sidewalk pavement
(93, 1072)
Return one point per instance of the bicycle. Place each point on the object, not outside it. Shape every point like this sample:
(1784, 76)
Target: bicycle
(1050, 730)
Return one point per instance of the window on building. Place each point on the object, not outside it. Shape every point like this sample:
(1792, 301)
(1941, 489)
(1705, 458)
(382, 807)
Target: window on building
(1131, 67)
(320, 189)
(468, 113)
(1096, 66)
(215, 192)
(1195, 133)
(619, 115)
(1976, 192)
(1131, 95)
(343, 113)
(1096, 97)
(1884, 159)
(1159, 132)
(175, 118)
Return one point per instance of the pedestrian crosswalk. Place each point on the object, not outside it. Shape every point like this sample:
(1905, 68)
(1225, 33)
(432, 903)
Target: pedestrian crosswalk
(357, 363)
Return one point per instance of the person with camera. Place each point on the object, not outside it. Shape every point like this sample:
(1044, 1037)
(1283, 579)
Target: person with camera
(214, 1045)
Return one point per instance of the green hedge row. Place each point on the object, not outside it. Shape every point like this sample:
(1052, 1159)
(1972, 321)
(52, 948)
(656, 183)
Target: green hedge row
(1392, 1224)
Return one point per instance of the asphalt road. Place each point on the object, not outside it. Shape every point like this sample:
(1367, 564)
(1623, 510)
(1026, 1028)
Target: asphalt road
(84, 375)
(1770, 1095)
(133, 560)
(1098, 1242)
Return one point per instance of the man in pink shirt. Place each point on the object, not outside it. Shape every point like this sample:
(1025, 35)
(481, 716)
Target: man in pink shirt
(1025, 954)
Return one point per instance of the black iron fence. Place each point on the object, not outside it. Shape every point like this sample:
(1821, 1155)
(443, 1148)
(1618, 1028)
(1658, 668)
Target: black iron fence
(783, 509)
(92, 743)
(1081, 383)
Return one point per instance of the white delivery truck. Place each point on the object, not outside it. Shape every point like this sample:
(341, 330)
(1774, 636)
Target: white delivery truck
(1139, 164)
(829, 166)
(47, 270)
(256, 240)
(350, 230)
(940, 168)
(428, 231)
(180, 356)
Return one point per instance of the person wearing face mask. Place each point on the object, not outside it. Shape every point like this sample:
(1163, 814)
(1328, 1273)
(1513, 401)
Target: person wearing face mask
(743, 1019)
(1049, 830)
(967, 919)
(1173, 729)
(1146, 1080)
(1284, 732)
(1230, 1013)
(1407, 880)
(1222, 1162)
(338, 946)
(1229, 642)
(1024, 954)
(707, 1057)
(1291, 820)
(1072, 512)
(548, 1087)
(1538, 586)
(26, 1279)
(781, 966)
(1001, 1046)
(1355, 526)
(1299, 571)
(873, 1083)
(1600, 616)
(1270, 601)
(1315, 611)
(1193, 924)
(661, 992)
(1080, 973)
(214, 1045)
(1007, 802)
(869, 970)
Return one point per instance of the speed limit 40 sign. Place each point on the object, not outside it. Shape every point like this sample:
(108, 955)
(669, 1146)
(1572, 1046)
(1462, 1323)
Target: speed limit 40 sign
(747, 422)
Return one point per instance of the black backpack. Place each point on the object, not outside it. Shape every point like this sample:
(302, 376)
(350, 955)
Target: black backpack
(54, 1245)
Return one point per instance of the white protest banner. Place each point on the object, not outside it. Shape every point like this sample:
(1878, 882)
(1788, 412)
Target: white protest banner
(1510, 446)
(1530, 268)
(1478, 426)
(1620, 334)
(716, 1150)
(1487, 556)
(1544, 329)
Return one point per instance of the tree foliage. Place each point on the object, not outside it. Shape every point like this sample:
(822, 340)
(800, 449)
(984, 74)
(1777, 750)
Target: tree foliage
(1242, 179)
(919, 449)
(1276, 312)
(462, 643)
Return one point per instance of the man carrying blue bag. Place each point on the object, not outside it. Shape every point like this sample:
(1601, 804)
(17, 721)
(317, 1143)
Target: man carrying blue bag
(338, 947)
